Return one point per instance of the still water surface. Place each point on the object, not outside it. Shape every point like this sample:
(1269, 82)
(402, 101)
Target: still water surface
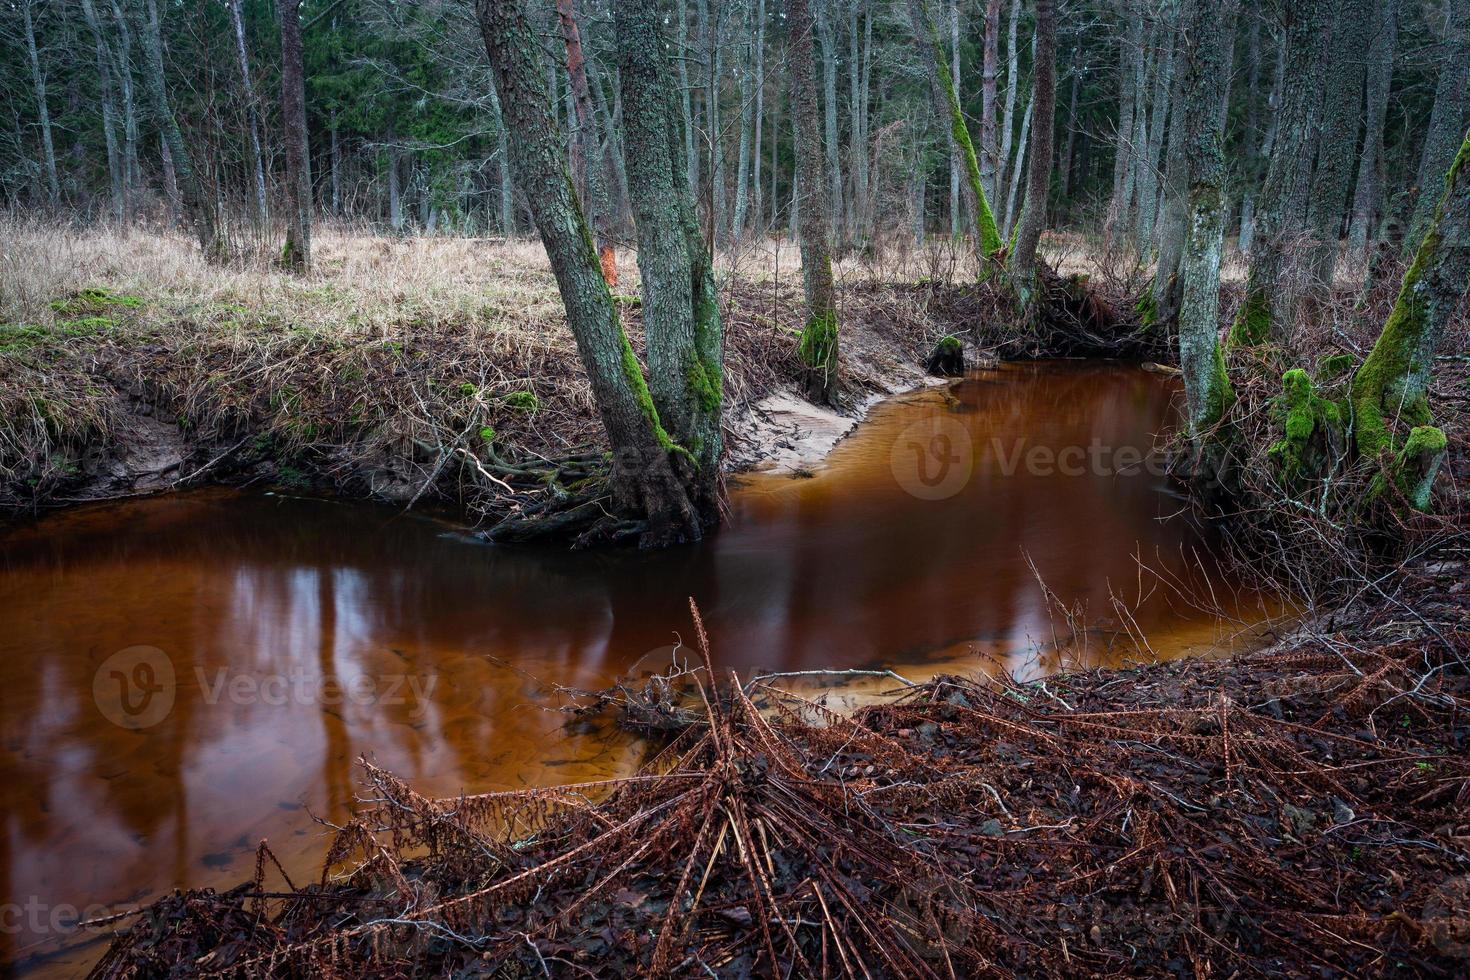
(301, 634)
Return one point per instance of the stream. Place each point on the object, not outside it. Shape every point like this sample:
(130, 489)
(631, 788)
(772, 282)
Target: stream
(185, 675)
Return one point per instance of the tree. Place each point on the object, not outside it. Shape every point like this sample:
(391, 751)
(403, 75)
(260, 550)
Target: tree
(819, 342)
(1206, 30)
(1341, 114)
(650, 473)
(1447, 117)
(1268, 309)
(43, 112)
(947, 107)
(1038, 178)
(1392, 386)
(1379, 81)
(590, 173)
(197, 205)
(296, 254)
(237, 20)
(681, 308)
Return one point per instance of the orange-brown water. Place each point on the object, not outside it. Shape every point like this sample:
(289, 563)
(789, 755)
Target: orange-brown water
(301, 634)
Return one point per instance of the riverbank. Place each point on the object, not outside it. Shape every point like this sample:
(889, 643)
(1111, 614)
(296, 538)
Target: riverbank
(431, 370)
(1293, 811)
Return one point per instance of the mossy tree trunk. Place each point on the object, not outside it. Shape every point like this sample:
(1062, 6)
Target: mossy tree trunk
(197, 204)
(819, 342)
(1390, 390)
(681, 310)
(1207, 30)
(296, 255)
(947, 107)
(1038, 177)
(651, 474)
(1267, 310)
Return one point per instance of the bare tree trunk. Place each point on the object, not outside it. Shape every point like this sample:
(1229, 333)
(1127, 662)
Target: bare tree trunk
(829, 105)
(1268, 310)
(1379, 79)
(1130, 85)
(1267, 147)
(691, 157)
(1065, 165)
(38, 85)
(170, 179)
(1148, 171)
(1207, 30)
(858, 150)
(296, 254)
(1008, 124)
(252, 110)
(336, 155)
(1341, 115)
(747, 124)
(105, 72)
(988, 149)
(197, 205)
(1041, 113)
(1446, 119)
(594, 171)
(956, 224)
(649, 470)
(819, 337)
(129, 107)
(1016, 168)
(756, 198)
(395, 189)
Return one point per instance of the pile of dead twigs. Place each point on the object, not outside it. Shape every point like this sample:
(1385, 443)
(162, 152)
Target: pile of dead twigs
(1295, 812)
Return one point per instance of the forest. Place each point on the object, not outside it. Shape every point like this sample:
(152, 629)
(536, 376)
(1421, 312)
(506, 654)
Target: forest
(725, 487)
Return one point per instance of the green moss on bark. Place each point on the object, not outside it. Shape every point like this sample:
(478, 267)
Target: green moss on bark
(1305, 415)
(1252, 324)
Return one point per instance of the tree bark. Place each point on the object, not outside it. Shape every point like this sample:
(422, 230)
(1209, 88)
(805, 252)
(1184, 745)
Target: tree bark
(1207, 30)
(1379, 81)
(196, 204)
(1268, 310)
(947, 107)
(956, 224)
(1003, 168)
(594, 170)
(1038, 179)
(1392, 386)
(1016, 169)
(747, 126)
(116, 174)
(129, 106)
(691, 158)
(296, 254)
(829, 105)
(252, 109)
(756, 199)
(1446, 119)
(988, 149)
(681, 309)
(1341, 115)
(43, 111)
(1130, 85)
(1148, 171)
(819, 337)
(1256, 160)
(649, 470)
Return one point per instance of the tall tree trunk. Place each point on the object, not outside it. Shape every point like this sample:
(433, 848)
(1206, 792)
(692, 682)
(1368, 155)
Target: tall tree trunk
(691, 156)
(296, 254)
(747, 126)
(1256, 161)
(947, 108)
(1174, 223)
(170, 179)
(196, 203)
(594, 171)
(829, 104)
(336, 161)
(129, 106)
(819, 339)
(116, 174)
(681, 308)
(395, 189)
(1065, 165)
(1267, 312)
(38, 85)
(858, 150)
(1342, 112)
(1008, 124)
(1016, 169)
(649, 470)
(988, 148)
(760, 110)
(1392, 386)
(1042, 112)
(956, 224)
(1130, 85)
(1379, 80)
(1148, 171)
(1447, 118)
(252, 109)
(1207, 30)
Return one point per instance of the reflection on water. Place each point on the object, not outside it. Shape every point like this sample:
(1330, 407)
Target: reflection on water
(302, 634)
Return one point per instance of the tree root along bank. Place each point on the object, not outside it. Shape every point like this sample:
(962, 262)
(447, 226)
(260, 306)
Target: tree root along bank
(1295, 811)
